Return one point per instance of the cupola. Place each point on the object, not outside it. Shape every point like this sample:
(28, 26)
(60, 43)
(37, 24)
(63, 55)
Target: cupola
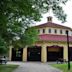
(49, 19)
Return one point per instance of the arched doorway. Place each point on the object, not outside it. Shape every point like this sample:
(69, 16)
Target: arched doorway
(34, 53)
(17, 54)
(54, 52)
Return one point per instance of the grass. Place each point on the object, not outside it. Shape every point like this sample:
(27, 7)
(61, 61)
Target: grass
(63, 67)
(7, 68)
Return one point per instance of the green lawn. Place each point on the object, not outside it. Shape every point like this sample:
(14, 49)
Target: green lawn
(63, 67)
(7, 68)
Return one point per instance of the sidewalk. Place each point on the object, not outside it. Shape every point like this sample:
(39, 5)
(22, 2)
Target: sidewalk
(34, 67)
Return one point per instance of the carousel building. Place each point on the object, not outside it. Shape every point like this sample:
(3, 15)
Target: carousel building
(52, 44)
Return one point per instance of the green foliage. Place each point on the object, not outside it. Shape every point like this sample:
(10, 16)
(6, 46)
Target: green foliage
(17, 15)
(43, 6)
(3, 46)
(12, 10)
(31, 35)
(28, 38)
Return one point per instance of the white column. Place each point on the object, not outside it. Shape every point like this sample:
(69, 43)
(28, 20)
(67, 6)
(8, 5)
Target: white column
(25, 54)
(10, 52)
(44, 54)
(65, 53)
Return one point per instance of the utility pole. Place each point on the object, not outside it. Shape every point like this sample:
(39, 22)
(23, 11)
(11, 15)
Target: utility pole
(68, 50)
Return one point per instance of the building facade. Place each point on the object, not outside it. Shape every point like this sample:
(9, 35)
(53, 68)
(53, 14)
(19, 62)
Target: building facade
(52, 44)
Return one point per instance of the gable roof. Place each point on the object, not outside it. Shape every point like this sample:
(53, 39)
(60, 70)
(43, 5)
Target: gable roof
(53, 25)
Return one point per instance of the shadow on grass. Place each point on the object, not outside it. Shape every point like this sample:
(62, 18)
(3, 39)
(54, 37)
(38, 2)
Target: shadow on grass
(7, 68)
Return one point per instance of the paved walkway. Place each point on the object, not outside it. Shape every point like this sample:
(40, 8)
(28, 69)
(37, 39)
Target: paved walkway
(34, 67)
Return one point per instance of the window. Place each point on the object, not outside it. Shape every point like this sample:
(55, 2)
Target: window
(60, 31)
(38, 31)
(49, 30)
(49, 19)
(43, 30)
(55, 31)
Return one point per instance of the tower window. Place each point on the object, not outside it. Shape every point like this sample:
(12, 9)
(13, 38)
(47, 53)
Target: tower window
(49, 19)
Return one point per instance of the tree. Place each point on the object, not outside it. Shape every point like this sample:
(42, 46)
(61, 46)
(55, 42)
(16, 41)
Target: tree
(17, 15)
(3, 46)
(29, 37)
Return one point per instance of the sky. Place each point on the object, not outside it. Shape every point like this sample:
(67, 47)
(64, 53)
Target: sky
(67, 9)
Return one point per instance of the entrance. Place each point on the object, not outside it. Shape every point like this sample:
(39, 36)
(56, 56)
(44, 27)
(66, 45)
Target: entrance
(70, 53)
(17, 54)
(34, 53)
(54, 52)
